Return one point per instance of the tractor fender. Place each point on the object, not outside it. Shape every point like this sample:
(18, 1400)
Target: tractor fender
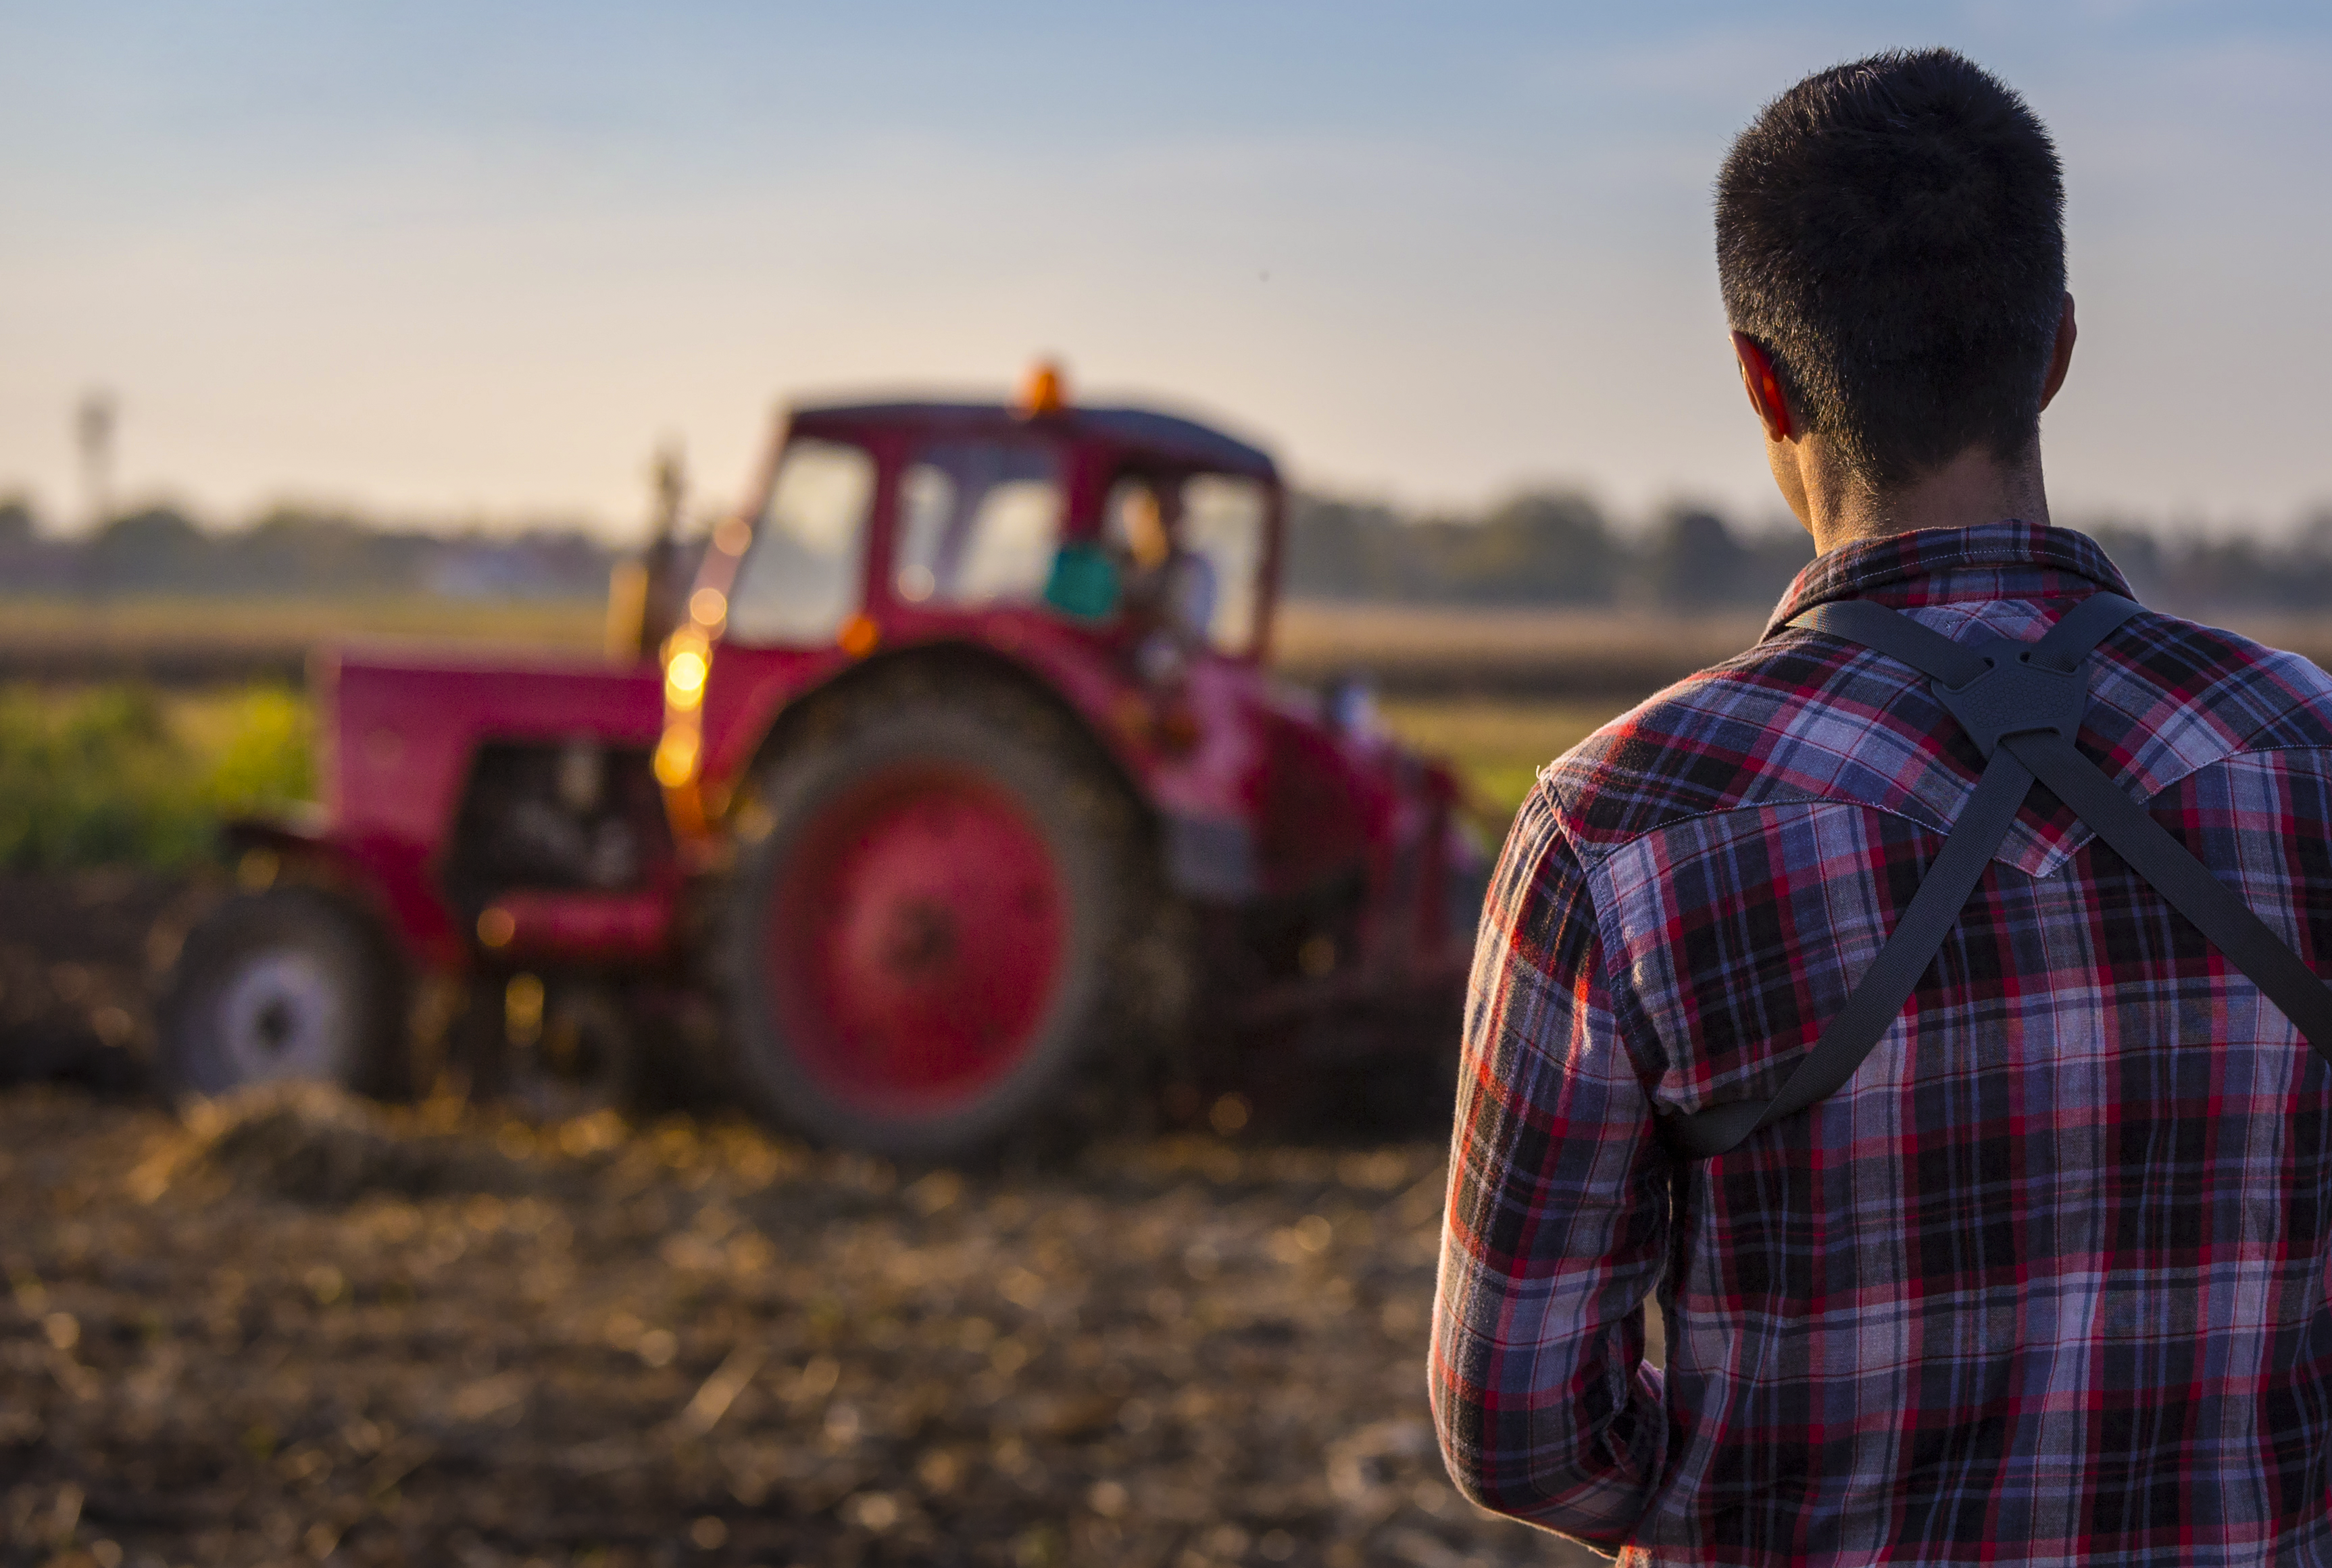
(955, 663)
(1211, 860)
(301, 845)
(259, 847)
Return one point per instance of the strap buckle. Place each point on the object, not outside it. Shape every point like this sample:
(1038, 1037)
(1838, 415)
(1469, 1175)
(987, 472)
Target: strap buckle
(2016, 696)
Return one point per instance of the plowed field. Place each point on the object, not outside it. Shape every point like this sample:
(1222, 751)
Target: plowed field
(302, 1329)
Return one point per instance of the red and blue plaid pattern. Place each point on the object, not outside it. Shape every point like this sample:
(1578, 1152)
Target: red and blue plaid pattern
(2046, 1281)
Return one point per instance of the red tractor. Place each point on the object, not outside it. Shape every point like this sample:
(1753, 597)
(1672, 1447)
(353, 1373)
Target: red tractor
(961, 789)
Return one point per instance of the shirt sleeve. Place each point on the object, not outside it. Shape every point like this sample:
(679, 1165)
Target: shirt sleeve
(1557, 1222)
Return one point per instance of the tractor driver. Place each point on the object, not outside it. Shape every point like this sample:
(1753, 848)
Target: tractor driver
(1169, 589)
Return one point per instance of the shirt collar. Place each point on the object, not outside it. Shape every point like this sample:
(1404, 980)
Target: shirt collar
(2004, 560)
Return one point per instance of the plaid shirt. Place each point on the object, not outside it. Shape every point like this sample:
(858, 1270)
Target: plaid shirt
(2045, 1282)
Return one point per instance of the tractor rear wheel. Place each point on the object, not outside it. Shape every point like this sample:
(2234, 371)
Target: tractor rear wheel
(937, 940)
(292, 983)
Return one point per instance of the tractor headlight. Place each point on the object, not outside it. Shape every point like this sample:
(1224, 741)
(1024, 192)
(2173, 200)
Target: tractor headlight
(684, 678)
(687, 663)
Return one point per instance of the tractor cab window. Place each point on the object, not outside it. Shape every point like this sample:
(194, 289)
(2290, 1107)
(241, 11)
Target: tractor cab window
(799, 582)
(978, 523)
(1224, 520)
(1191, 551)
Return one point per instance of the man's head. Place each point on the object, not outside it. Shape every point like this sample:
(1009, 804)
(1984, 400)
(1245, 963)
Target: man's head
(1890, 235)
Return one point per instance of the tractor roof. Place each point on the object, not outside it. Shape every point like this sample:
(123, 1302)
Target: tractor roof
(1164, 435)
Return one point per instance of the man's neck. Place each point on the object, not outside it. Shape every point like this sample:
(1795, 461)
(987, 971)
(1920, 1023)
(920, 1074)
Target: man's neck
(1973, 488)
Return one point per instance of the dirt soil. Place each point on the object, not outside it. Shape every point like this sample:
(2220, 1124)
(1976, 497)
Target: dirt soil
(299, 1328)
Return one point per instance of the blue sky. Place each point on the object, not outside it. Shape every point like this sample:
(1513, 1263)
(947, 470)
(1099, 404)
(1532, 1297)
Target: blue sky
(479, 260)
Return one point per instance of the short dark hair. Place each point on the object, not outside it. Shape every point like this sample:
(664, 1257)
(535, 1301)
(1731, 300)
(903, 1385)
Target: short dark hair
(1891, 233)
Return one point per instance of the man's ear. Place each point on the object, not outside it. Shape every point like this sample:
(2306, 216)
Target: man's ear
(2061, 360)
(1765, 387)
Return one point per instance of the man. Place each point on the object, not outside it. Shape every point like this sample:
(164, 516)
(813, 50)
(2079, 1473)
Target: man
(2044, 1280)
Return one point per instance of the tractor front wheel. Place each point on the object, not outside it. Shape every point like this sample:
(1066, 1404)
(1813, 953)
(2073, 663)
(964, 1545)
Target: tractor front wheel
(291, 983)
(928, 940)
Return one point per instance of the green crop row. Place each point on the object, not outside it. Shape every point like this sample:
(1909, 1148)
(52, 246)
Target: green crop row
(118, 775)
(122, 774)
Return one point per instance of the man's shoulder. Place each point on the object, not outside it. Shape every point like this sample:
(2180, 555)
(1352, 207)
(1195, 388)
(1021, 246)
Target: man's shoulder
(2178, 681)
(1803, 718)
(1705, 744)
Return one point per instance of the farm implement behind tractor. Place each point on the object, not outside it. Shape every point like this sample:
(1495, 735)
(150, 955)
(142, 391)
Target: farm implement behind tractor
(959, 794)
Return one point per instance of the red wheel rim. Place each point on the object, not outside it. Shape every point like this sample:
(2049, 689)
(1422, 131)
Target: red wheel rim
(919, 937)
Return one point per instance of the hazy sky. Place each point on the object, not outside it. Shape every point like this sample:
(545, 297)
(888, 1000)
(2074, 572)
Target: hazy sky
(479, 258)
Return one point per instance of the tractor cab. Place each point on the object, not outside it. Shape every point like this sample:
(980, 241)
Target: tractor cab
(1121, 552)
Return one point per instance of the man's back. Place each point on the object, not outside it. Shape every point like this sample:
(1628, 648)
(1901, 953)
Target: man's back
(2045, 1282)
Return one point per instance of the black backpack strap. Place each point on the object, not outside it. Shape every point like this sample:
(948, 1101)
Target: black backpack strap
(2022, 703)
(1898, 636)
(2185, 883)
(2024, 672)
(1877, 997)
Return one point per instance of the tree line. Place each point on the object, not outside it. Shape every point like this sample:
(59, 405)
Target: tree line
(1557, 547)
(297, 552)
(1537, 547)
